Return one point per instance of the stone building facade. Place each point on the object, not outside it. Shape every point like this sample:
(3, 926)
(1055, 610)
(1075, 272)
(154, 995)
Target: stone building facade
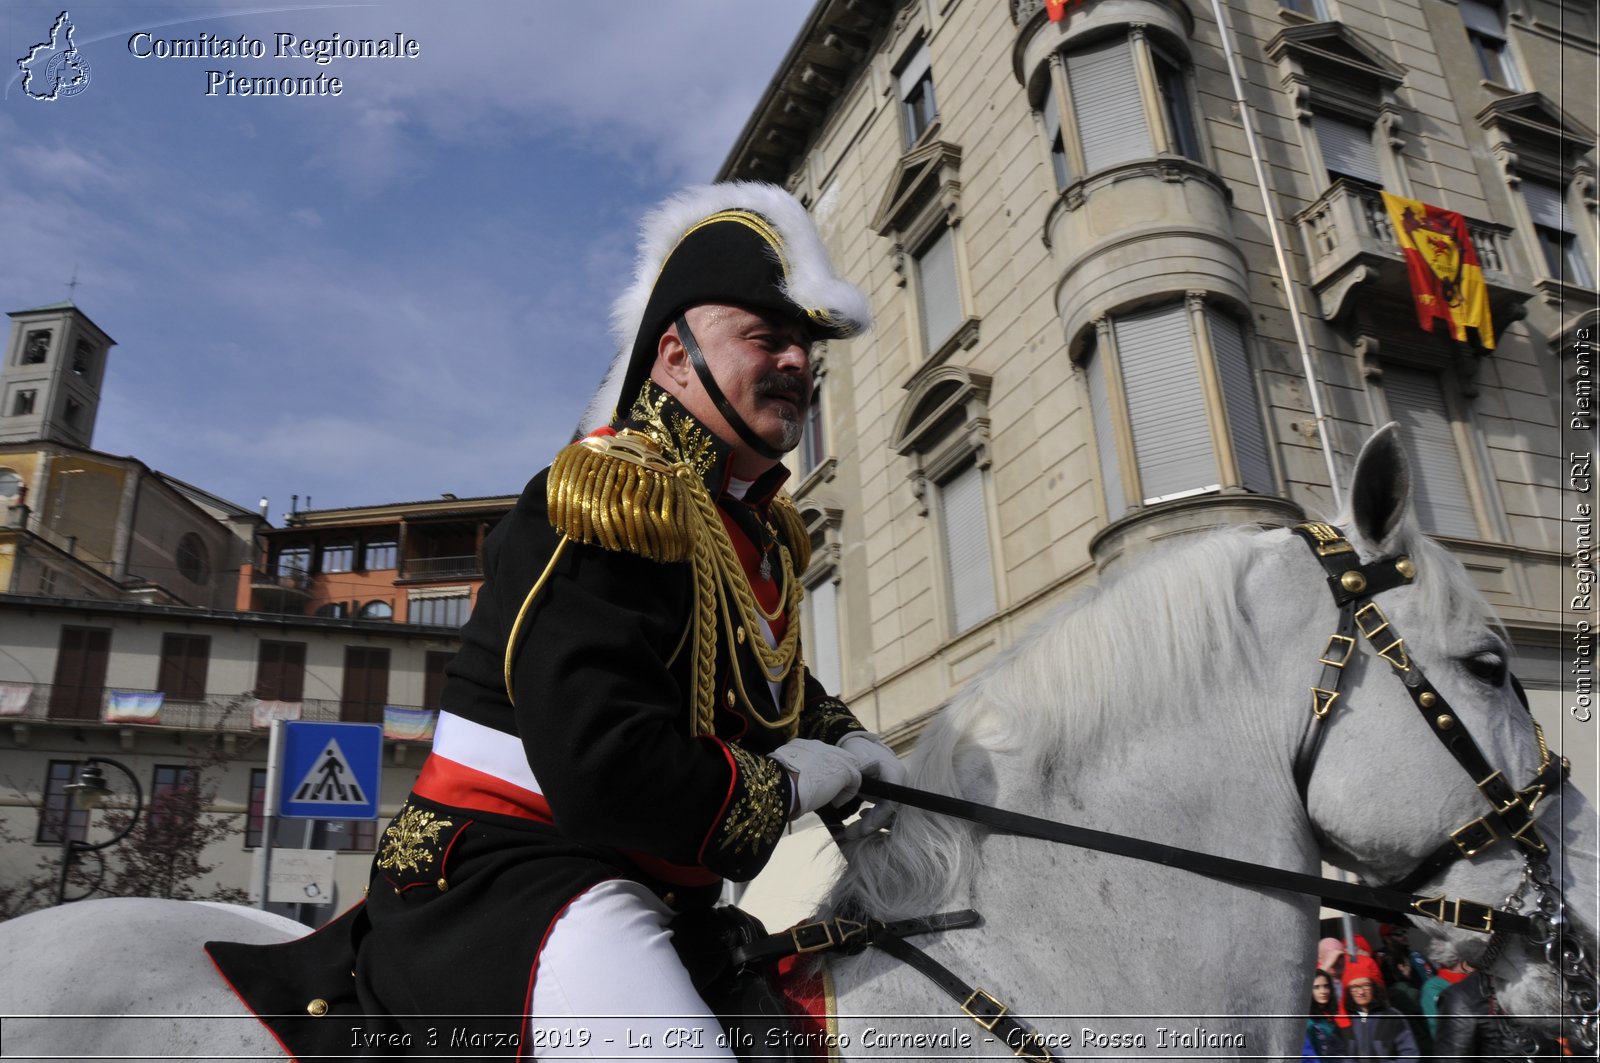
(1133, 277)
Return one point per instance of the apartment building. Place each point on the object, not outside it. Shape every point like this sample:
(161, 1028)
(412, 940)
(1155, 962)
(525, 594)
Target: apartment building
(1134, 276)
(147, 620)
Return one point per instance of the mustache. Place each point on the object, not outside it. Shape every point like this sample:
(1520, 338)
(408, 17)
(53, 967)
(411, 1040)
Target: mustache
(783, 386)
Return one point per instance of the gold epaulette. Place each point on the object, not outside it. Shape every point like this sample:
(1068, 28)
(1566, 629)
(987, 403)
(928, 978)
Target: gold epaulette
(619, 493)
(792, 526)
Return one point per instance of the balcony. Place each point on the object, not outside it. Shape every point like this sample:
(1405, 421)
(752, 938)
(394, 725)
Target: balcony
(421, 569)
(124, 707)
(1350, 244)
(278, 591)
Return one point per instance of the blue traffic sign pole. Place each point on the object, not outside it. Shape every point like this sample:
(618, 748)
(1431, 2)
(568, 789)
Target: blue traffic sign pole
(319, 771)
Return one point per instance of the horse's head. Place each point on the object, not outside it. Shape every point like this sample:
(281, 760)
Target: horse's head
(1402, 789)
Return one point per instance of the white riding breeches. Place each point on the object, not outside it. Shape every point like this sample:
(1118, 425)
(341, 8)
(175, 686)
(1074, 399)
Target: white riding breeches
(609, 984)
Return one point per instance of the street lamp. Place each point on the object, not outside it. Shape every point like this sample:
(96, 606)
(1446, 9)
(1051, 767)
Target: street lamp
(86, 794)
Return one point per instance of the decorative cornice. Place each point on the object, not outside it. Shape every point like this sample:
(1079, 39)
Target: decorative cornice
(829, 55)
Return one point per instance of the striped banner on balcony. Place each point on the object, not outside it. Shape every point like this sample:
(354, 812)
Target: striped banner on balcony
(128, 706)
(14, 698)
(263, 713)
(408, 725)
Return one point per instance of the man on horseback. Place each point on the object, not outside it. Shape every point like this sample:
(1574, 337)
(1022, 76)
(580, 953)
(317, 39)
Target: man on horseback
(629, 721)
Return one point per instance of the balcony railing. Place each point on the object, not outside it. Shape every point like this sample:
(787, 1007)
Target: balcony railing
(441, 567)
(1350, 240)
(22, 702)
(279, 581)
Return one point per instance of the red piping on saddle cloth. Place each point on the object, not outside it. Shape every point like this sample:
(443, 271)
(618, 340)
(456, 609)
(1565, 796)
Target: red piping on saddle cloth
(809, 991)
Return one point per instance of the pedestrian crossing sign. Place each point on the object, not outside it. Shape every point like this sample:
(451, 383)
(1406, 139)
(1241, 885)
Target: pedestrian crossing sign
(330, 770)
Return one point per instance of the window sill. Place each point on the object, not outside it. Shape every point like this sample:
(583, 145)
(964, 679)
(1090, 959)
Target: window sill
(1296, 18)
(1559, 292)
(1496, 88)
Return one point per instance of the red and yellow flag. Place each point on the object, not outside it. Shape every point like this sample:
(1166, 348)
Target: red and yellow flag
(1446, 280)
(1056, 9)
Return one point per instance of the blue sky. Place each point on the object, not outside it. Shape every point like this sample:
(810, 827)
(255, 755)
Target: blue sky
(381, 296)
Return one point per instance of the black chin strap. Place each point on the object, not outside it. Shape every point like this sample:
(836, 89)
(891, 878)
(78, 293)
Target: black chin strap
(724, 407)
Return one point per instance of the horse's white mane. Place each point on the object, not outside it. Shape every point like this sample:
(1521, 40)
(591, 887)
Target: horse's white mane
(1112, 655)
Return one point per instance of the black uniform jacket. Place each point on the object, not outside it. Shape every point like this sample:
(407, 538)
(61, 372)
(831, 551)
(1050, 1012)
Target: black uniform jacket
(639, 777)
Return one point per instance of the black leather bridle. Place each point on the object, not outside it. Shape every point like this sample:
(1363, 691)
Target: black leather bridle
(1510, 819)
(1512, 814)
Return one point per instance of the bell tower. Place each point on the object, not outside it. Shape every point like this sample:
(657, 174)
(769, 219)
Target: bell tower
(55, 361)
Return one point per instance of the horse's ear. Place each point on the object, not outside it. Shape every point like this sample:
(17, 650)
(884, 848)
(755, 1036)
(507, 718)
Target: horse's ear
(1380, 490)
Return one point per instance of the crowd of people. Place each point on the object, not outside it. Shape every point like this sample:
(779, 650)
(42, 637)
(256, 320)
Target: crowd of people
(1391, 1003)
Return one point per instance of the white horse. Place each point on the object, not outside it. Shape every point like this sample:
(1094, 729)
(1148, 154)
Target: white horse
(1168, 705)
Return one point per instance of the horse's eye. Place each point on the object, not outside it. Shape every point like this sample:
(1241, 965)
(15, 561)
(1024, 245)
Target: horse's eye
(1487, 666)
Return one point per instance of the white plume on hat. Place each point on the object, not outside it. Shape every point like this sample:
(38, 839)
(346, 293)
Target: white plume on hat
(810, 280)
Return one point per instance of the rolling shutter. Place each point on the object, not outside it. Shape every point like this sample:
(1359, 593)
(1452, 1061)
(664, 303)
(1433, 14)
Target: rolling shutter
(1105, 99)
(966, 543)
(1546, 205)
(938, 294)
(822, 649)
(1438, 482)
(1166, 407)
(1347, 149)
(1239, 396)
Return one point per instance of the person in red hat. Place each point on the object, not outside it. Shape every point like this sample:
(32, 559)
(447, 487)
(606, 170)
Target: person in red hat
(1376, 1031)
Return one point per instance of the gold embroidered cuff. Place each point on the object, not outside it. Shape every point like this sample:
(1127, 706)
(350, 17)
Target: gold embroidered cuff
(828, 720)
(756, 817)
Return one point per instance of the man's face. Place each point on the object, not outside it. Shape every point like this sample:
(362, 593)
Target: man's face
(1361, 992)
(762, 363)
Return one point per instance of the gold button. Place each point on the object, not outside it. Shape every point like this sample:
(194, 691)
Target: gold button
(317, 1008)
(1353, 581)
(1406, 567)
(1445, 722)
(669, 898)
(738, 635)
(1426, 699)
(443, 885)
(732, 699)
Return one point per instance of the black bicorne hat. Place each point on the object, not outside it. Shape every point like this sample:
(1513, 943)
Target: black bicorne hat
(742, 243)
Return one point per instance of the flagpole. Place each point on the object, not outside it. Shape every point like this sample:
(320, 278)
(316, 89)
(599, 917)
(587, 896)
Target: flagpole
(1290, 289)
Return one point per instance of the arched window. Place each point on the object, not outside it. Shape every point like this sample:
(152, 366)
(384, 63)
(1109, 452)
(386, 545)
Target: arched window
(377, 610)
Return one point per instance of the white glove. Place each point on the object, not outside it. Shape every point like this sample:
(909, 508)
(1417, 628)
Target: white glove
(876, 761)
(822, 774)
